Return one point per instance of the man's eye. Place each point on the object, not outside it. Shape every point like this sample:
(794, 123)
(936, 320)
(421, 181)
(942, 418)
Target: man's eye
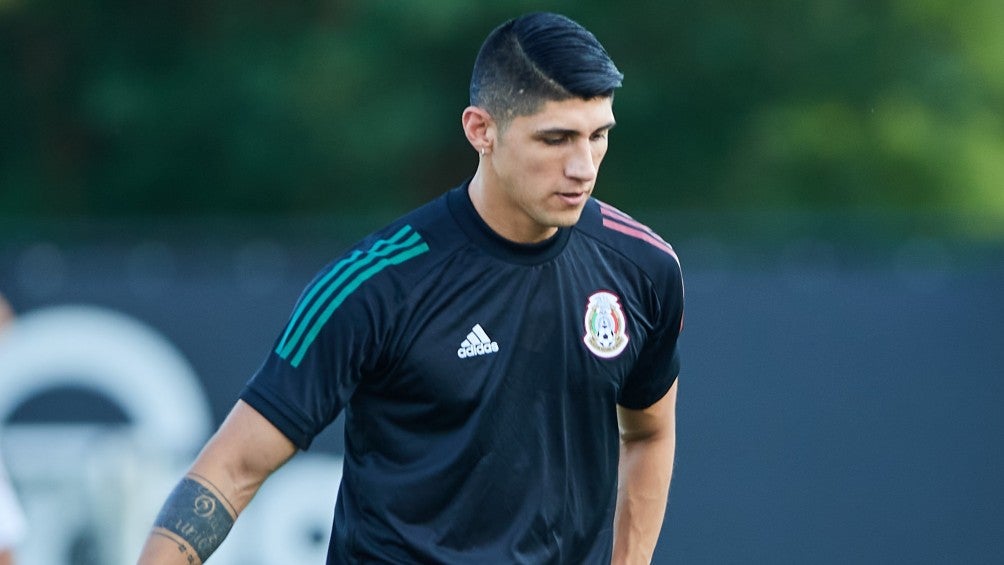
(554, 140)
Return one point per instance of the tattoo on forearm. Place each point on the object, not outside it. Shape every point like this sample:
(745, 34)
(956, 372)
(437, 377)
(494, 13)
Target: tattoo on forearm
(198, 514)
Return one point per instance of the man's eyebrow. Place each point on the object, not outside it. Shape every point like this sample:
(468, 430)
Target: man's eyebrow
(571, 132)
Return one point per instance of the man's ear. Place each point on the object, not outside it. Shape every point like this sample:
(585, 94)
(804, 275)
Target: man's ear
(479, 127)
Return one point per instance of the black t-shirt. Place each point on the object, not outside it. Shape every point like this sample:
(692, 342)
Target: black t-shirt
(479, 380)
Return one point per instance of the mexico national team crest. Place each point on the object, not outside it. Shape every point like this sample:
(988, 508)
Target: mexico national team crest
(606, 327)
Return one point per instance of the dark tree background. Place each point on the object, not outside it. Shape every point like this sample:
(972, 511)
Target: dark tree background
(125, 109)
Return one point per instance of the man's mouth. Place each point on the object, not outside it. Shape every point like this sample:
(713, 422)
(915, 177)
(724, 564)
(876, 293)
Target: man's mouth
(573, 198)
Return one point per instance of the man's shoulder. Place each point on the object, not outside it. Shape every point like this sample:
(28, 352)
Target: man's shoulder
(407, 246)
(618, 232)
(430, 217)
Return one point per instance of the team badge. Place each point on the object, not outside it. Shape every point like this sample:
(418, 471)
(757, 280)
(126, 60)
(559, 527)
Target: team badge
(606, 327)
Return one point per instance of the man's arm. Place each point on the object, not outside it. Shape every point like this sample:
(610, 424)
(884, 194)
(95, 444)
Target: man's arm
(648, 446)
(200, 511)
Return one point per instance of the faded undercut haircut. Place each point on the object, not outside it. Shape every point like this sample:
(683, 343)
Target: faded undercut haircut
(537, 58)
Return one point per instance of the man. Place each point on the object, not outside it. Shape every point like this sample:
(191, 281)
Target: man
(505, 355)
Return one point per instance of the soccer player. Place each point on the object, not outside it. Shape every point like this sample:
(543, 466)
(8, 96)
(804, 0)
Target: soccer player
(505, 355)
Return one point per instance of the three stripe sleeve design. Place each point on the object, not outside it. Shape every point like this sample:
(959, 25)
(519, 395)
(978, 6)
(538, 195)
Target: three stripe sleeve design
(327, 294)
(618, 221)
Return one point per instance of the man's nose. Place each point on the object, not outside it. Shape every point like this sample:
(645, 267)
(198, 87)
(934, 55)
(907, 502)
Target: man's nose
(581, 164)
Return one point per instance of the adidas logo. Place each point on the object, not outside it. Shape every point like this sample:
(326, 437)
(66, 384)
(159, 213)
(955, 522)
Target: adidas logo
(477, 343)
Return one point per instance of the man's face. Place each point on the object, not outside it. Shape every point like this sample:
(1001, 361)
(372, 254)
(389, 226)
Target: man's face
(545, 166)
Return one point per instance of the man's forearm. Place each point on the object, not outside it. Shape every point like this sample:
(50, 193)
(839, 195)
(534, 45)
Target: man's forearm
(192, 523)
(645, 470)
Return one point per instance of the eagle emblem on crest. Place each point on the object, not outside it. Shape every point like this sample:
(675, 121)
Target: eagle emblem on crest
(606, 327)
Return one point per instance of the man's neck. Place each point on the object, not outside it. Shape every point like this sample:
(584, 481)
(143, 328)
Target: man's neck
(502, 216)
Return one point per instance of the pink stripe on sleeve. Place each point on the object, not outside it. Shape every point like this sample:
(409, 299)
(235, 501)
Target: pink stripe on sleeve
(611, 212)
(641, 234)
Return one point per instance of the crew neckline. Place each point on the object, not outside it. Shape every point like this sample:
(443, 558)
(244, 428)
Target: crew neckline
(463, 211)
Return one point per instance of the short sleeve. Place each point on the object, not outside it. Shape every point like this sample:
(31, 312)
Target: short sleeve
(334, 337)
(305, 381)
(658, 364)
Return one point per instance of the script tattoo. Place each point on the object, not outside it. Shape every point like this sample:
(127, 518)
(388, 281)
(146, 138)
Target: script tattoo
(198, 516)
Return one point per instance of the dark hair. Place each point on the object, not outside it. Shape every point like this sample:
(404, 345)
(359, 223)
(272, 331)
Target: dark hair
(537, 58)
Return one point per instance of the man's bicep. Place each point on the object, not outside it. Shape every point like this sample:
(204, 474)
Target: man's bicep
(246, 448)
(658, 418)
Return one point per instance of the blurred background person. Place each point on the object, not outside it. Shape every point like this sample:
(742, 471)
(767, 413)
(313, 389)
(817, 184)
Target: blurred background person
(12, 521)
(6, 314)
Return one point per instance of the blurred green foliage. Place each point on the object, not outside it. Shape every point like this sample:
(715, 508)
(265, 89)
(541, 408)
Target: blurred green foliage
(113, 109)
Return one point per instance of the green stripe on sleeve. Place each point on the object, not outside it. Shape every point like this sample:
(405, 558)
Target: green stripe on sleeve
(331, 287)
(349, 289)
(323, 284)
(312, 293)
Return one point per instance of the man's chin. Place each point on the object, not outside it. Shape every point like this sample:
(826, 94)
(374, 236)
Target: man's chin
(566, 218)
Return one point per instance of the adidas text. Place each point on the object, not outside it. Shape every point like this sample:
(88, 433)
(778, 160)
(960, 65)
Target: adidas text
(479, 349)
(477, 343)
